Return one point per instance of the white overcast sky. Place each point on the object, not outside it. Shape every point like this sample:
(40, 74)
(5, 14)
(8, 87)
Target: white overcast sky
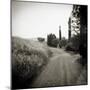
(31, 19)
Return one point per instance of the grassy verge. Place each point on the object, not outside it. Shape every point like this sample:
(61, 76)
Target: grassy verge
(28, 58)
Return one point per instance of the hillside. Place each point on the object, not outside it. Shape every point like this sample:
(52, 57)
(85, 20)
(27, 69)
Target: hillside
(28, 57)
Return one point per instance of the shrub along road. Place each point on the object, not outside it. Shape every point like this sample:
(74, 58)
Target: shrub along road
(62, 69)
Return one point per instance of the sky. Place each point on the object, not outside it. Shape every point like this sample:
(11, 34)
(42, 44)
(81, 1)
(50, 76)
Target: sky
(32, 19)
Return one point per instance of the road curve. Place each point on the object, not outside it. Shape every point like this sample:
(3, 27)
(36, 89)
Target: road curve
(61, 70)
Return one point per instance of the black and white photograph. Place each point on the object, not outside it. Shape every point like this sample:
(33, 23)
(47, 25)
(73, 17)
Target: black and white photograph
(48, 44)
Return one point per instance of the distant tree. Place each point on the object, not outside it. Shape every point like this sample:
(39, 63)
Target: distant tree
(69, 34)
(55, 42)
(69, 29)
(60, 36)
(60, 33)
(52, 40)
(40, 39)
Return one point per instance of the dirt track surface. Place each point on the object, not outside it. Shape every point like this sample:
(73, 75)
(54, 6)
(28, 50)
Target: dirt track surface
(62, 69)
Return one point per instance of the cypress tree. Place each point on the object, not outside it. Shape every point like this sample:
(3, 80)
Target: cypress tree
(59, 33)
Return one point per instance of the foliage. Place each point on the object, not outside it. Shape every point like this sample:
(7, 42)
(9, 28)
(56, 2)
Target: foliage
(52, 40)
(76, 19)
(63, 42)
(26, 61)
(79, 26)
(40, 39)
(69, 47)
(60, 37)
(74, 43)
(83, 30)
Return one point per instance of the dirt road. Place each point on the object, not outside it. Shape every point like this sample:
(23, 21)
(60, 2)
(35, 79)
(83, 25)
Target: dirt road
(62, 69)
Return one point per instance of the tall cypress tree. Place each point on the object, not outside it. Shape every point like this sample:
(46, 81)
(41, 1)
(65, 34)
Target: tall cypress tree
(60, 37)
(69, 32)
(60, 33)
(69, 29)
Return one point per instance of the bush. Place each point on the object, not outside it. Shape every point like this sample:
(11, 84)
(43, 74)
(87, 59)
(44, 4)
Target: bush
(63, 42)
(74, 43)
(69, 47)
(40, 39)
(52, 40)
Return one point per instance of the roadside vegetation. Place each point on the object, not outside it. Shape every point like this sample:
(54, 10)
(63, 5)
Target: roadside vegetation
(28, 58)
